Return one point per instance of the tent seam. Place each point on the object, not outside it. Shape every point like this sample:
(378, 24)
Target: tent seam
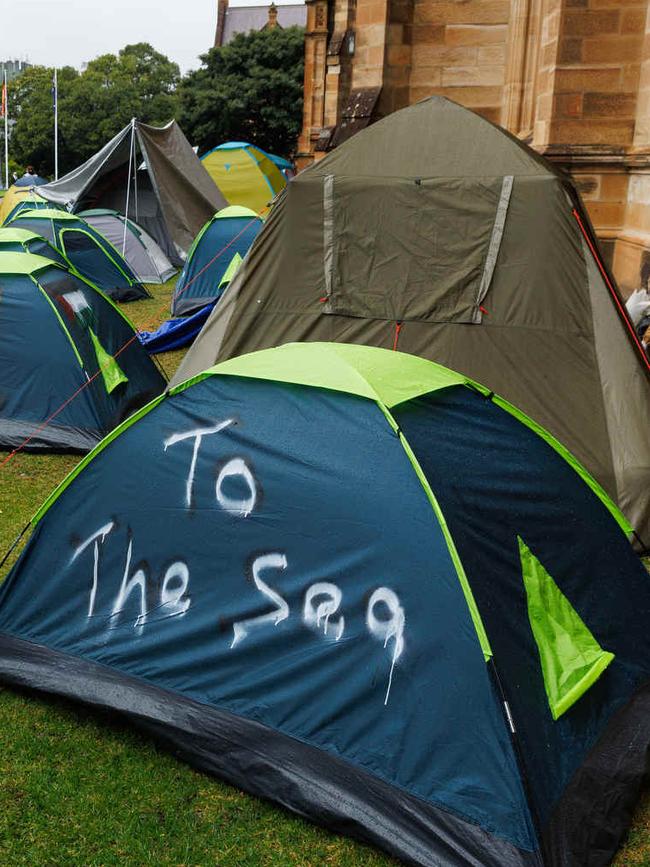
(474, 612)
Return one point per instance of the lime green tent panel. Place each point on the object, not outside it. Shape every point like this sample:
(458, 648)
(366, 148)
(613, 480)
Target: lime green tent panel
(571, 658)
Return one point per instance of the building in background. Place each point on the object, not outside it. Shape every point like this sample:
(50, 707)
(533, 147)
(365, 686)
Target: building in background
(243, 19)
(13, 68)
(570, 77)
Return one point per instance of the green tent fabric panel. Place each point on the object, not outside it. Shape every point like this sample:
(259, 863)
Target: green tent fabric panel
(112, 374)
(231, 270)
(385, 377)
(442, 229)
(571, 658)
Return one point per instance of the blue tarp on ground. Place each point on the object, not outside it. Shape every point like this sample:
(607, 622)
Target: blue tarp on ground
(175, 333)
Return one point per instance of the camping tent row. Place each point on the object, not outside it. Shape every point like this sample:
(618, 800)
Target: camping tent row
(513, 292)
(71, 367)
(86, 250)
(152, 176)
(245, 174)
(410, 640)
(142, 253)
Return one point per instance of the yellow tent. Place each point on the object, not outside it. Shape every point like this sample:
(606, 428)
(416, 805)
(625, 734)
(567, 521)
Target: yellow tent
(14, 196)
(245, 174)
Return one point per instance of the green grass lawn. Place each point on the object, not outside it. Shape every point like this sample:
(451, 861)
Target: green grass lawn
(82, 789)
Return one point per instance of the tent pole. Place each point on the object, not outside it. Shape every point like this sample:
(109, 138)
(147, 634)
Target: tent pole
(55, 94)
(128, 184)
(5, 106)
(135, 182)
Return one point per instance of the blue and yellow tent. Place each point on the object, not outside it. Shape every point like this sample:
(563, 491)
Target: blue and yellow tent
(18, 198)
(245, 174)
(71, 367)
(362, 586)
(214, 258)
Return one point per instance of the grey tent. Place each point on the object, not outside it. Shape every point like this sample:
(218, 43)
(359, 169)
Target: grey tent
(143, 254)
(436, 233)
(151, 175)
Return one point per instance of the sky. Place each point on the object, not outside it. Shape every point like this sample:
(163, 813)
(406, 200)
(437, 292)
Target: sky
(71, 32)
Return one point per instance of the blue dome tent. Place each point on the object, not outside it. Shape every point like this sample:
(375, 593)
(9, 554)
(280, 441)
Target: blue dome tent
(214, 258)
(362, 586)
(71, 366)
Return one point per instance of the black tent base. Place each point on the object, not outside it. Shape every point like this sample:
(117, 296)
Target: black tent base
(266, 763)
(595, 811)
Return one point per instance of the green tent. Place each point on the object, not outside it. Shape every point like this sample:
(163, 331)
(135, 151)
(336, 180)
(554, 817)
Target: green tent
(435, 232)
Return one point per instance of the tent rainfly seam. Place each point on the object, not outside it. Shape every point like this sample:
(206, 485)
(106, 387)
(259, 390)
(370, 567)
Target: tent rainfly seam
(453, 553)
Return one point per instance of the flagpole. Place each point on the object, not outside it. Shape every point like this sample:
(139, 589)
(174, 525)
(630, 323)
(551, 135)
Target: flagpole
(6, 113)
(56, 127)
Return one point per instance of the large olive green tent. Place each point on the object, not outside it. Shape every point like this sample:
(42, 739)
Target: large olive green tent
(435, 232)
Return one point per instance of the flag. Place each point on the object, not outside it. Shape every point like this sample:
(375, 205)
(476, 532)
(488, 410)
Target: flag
(3, 102)
(55, 94)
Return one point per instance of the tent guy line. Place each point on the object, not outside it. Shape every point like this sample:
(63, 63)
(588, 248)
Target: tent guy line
(621, 308)
(107, 363)
(69, 400)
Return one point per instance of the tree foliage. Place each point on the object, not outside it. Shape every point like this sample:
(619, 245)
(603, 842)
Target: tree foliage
(248, 90)
(94, 105)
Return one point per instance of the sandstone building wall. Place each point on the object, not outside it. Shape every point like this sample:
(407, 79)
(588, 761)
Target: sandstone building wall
(570, 77)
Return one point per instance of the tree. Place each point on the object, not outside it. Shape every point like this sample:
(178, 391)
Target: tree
(31, 108)
(93, 105)
(248, 90)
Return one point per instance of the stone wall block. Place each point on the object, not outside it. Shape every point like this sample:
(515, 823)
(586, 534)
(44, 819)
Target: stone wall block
(454, 76)
(443, 55)
(609, 105)
(570, 50)
(428, 34)
(475, 34)
(605, 49)
(591, 22)
(569, 79)
(465, 12)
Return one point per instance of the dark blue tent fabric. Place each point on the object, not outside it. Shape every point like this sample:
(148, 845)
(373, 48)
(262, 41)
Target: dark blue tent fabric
(44, 370)
(219, 523)
(38, 371)
(200, 280)
(495, 479)
(175, 333)
(41, 247)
